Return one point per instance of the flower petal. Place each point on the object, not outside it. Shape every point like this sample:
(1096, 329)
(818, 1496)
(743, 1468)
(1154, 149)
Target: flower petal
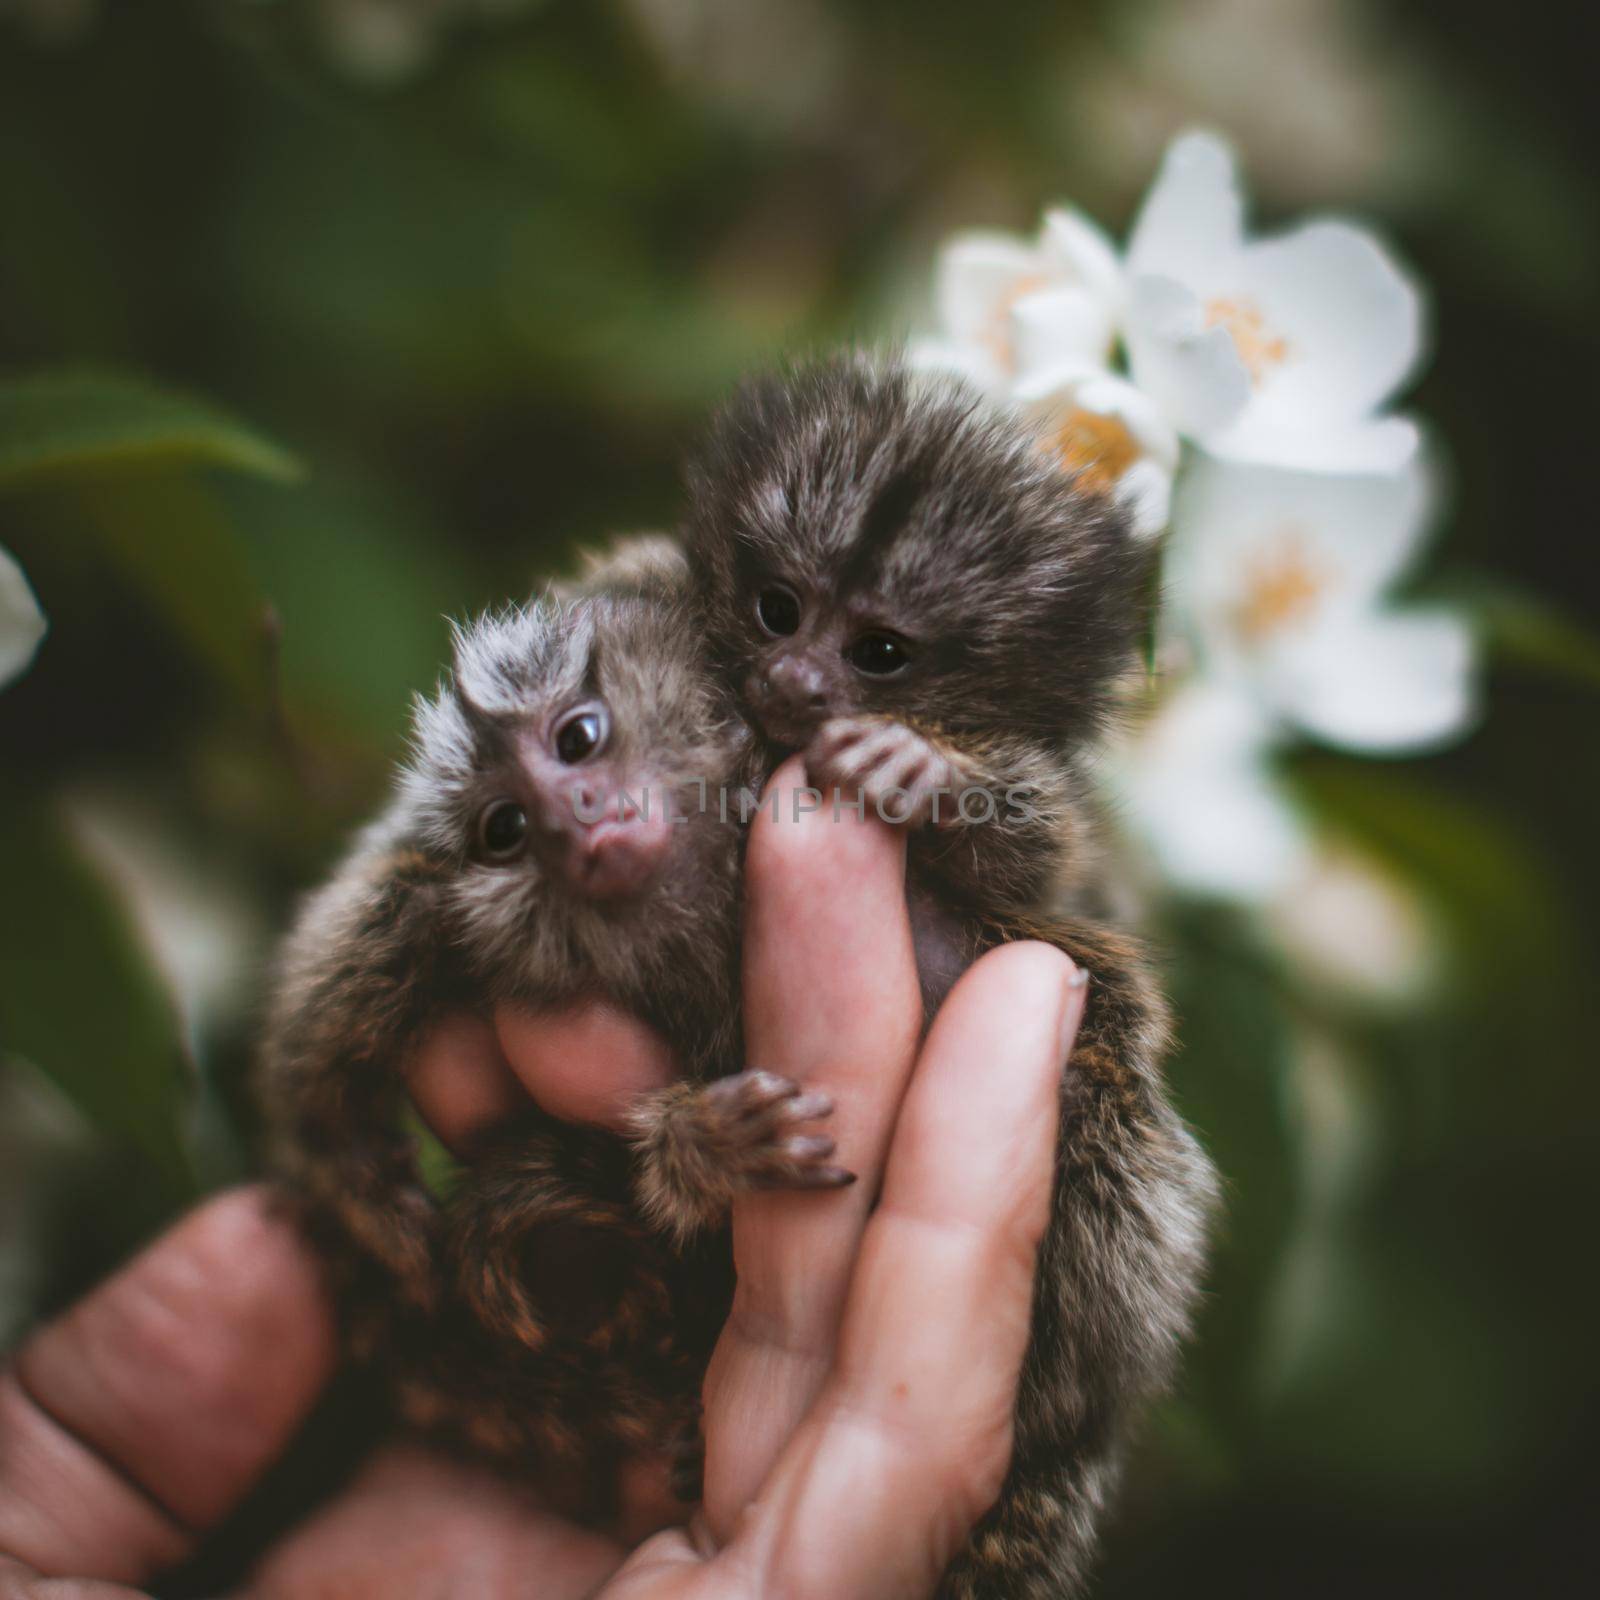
(1146, 490)
(1196, 786)
(1192, 221)
(22, 623)
(1058, 326)
(1191, 370)
(1084, 255)
(1385, 684)
(1357, 928)
(969, 361)
(1112, 396)
(1009, 304)
(1262, 555)
(1132, 454)
(977, 271)
(1384, 445)
(1324, 322)
(1336, 322)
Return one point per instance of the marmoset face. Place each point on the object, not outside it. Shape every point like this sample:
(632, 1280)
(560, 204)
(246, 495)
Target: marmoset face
(870, 541)
(558, 755)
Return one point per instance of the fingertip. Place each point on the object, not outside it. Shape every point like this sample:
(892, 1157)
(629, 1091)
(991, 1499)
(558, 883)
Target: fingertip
(1029, 964)
(246, 1239)
(805, 846)
(791, 772)
(977, 1133)
(461, 1082)
(586, 1063)
(829, 964)
(1027, 982)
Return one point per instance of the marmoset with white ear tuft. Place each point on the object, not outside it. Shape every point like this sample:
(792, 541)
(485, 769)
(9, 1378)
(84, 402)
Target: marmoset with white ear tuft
(559, 1309)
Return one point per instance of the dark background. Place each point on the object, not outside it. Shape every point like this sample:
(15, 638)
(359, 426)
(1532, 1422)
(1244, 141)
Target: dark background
(482, 291)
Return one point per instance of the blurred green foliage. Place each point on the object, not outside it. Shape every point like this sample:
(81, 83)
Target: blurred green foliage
(294, 364)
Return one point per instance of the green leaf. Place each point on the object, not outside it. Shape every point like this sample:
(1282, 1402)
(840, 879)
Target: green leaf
(1532, 633)
(322, 554)
(1527, 630)
(55, 423)
(440, 1172)
(78, 1000)
(173, 542)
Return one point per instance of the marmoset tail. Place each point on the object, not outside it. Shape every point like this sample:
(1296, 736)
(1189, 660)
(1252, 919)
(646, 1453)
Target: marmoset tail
(903, 583)
(556, 835)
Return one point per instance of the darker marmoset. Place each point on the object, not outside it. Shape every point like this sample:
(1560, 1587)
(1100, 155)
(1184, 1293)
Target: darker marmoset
(893, 579)
(900, 582)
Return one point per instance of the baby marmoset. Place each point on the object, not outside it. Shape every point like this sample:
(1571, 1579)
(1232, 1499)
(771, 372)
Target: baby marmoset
(900, 582)
(894, 579)
(557, 1311)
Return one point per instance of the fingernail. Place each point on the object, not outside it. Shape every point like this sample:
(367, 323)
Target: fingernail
(808, 1146)
(1072, 997)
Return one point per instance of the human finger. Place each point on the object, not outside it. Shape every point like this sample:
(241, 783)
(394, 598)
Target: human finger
(832, 1001)
(587, 1063)
(139, 1418)
(413, 1523)
(909, 1441)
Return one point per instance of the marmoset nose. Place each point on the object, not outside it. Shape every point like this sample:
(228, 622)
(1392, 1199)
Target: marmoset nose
(796, 684)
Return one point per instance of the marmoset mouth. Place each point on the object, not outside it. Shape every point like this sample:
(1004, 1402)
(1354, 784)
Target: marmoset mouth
(618, 856)
(793, 733)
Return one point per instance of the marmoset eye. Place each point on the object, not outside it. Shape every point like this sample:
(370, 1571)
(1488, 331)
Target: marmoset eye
(778, 610)
(879, 653)
(580, 736)
(502, 830)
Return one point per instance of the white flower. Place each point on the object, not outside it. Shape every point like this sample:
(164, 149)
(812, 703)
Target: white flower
(1279, 578)
(1112, 436)
(1009, 307)
(22, 623)
(1196, 786)
(1279, 349)
(1356, 928)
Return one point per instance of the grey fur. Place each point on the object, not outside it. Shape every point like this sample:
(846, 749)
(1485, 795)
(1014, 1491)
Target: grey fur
(540, 1318)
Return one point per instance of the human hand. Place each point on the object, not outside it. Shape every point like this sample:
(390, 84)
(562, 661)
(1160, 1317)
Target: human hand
(858, 1409)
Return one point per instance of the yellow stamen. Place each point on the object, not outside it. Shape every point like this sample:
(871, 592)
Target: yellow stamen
(1258, 349)
(1097, 448)
(1282, 586)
